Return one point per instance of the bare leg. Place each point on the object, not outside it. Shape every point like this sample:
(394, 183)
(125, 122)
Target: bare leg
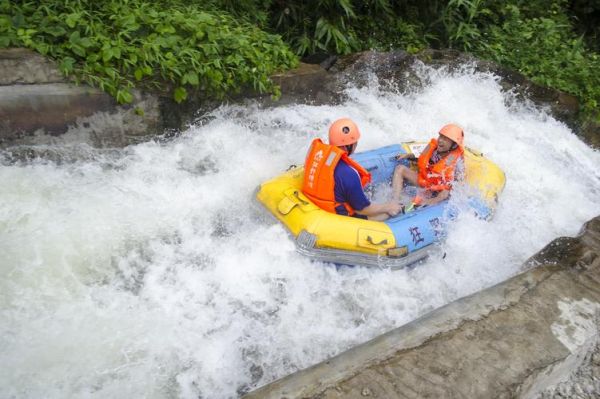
(400, 174)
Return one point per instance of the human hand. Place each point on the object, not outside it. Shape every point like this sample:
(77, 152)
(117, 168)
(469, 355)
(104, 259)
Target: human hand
(402, 156)
(393, 208)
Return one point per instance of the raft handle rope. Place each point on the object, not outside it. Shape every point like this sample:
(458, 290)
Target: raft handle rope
(382, 242)
(297, 195)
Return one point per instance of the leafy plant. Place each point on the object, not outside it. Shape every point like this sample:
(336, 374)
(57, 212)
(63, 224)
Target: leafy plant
(535, 37)
(460, 19)
(118, 45)
(220, 46)
(587, 20)
(546, 50)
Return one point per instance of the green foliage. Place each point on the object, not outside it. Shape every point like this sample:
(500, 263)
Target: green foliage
(534, 37)
(316, 25)
(252, 11)
(117, 45)
(219, 46)
(460, 19)
(547, 52)
(394, 34)
(587, 19)
(345, 26)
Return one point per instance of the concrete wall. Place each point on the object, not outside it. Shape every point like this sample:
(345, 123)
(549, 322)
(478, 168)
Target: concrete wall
(516, 339)
(39, 106)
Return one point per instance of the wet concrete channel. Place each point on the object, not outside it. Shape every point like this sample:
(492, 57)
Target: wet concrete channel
(516, 339)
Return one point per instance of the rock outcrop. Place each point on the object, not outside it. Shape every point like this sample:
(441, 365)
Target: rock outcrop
(521, 338)
(22, 66)
(38, 105)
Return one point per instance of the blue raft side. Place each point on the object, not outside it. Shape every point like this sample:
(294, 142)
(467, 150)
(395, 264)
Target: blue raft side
(425, 225)
(416, 229)
(380, 162)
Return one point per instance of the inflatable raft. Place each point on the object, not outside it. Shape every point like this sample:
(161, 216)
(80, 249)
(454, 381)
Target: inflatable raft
(395, 243)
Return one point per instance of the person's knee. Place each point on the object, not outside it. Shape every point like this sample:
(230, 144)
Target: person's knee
(401, 170)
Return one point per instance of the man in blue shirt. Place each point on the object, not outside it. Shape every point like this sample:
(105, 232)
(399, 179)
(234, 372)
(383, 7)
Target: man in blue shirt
(335, 182)
(348, 189)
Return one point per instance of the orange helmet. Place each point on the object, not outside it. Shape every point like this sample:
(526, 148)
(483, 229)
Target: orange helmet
(343, 132)
(454, 133)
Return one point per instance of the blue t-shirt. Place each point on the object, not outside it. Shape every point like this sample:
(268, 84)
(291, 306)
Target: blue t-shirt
(348, 188)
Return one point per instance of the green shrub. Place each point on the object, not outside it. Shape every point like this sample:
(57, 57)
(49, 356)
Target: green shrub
(117, 45)
(535, 38)
(395, 33)
(345, 26)
(220, 46)
(586, 15)
(461, 20)
(315, 25)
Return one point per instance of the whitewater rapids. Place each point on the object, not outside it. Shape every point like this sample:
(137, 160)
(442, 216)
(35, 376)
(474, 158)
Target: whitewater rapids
(150, 271)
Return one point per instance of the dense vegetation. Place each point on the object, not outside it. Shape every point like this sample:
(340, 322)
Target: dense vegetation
(119, 44)
(220, 46)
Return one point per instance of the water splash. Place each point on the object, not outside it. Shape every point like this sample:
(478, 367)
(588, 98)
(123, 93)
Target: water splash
(148, 271)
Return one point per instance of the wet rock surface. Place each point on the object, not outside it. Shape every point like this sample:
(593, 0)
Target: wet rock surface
(22, 66)
(590, 133)
(583, 383)
(533, 336)
(38, 106)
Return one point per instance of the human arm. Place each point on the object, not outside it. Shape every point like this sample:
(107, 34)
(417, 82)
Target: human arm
(407, 156)
(348, 189)
(381, 211)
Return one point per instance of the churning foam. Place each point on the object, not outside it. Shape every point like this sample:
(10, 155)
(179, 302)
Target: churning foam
(150, 272)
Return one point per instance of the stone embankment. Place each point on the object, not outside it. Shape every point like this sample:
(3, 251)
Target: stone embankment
(533, 336)
(39, 106)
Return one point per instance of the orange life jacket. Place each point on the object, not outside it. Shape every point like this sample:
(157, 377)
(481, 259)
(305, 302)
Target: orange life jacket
(319, 181)
(439, 176)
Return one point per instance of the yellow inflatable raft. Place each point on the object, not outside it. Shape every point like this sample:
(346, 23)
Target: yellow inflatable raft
(395, 243)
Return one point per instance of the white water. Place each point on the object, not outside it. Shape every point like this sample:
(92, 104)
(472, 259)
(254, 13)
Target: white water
(146, 272)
